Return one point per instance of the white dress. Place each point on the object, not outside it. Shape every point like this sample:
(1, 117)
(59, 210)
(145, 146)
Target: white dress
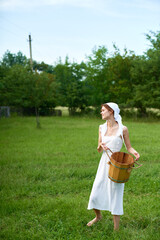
(106, 194)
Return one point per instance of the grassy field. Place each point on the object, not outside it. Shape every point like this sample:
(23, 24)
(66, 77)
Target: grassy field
(47, 175)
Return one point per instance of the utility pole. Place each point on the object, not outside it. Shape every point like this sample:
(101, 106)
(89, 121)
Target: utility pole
(30, 49)
(31, 63)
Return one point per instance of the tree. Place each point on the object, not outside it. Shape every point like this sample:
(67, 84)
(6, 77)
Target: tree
(146, 76)
(43, 67)
(3, 73)
(71, 88)
(23, 88)
(9, 59)
(43, 92)
(96, 70)
(118, 78)
(109, 76)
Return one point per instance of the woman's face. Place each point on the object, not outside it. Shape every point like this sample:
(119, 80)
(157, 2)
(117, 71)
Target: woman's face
(105, 113)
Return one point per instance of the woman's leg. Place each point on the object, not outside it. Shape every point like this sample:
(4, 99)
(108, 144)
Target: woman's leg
(96, 219)
(116, 219)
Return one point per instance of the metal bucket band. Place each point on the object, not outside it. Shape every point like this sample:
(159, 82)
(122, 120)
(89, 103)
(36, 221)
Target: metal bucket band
(119, 167)
(118, 181)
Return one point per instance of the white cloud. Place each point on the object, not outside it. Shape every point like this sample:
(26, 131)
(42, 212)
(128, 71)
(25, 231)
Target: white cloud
(152, 5)
(35, 3)
(108, 7)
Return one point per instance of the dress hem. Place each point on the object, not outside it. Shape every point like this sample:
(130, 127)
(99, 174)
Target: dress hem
(102, 209)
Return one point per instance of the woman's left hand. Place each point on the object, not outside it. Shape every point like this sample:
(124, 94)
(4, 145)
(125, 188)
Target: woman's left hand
(136, 154)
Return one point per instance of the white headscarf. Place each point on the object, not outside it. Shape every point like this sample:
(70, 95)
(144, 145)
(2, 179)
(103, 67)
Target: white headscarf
(116, 110)
(117, 118)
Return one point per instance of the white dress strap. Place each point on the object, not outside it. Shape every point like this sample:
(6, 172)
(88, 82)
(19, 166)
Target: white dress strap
(103, 128)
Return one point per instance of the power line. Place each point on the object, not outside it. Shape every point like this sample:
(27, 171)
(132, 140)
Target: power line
(9, 31)
(15, 34)
(11, 22)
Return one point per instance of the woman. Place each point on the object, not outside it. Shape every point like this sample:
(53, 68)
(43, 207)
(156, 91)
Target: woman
(106, 194)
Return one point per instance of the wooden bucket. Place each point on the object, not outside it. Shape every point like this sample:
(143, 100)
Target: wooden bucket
(121, 165)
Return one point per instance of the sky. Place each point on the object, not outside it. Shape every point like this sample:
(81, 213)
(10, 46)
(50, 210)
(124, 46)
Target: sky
(72, 28)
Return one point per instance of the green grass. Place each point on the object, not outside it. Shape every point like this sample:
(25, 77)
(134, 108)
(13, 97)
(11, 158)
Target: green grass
(47, 175)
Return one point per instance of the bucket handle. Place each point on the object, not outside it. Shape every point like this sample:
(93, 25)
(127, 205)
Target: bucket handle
(108, 154)
(139, 165)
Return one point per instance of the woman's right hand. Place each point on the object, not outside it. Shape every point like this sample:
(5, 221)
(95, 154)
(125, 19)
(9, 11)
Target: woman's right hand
(105, 148)
(99, 148)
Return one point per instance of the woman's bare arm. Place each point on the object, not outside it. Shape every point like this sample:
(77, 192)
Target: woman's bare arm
(99, 148)
(128, 144)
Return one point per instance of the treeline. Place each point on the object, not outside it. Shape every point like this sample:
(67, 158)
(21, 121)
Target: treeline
(127, 79)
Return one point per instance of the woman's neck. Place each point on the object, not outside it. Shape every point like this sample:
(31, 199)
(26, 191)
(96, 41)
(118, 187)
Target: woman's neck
(111, 123)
